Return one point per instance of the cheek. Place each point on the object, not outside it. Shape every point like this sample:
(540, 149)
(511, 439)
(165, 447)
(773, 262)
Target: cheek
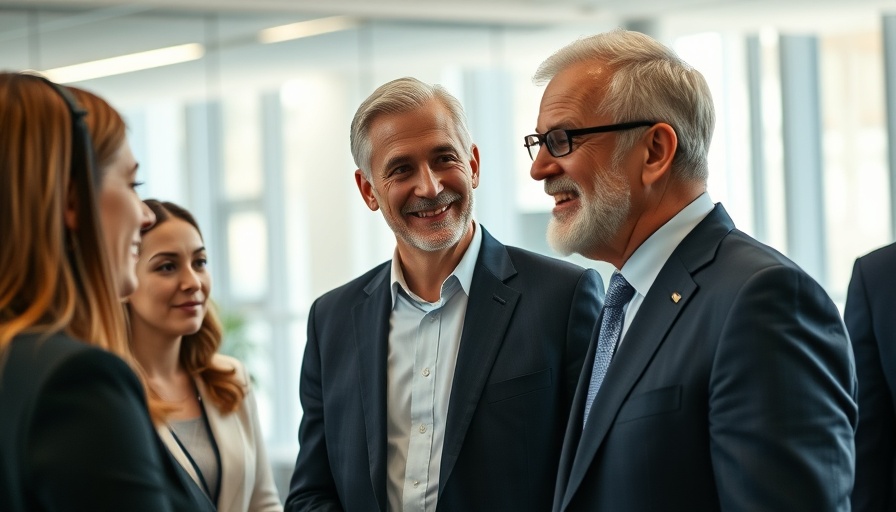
(107, 211)
(392, 198)
(150, 292)
(118, 213)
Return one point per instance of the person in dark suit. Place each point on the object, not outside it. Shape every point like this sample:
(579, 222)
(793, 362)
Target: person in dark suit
(721, 376)
(871, 322)
(441, 380)
(75, 430)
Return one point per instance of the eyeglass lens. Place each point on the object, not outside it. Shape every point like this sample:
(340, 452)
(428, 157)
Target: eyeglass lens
(556, 140)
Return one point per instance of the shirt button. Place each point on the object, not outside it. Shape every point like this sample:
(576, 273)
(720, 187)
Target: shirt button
(416, 483)
(422, 429)
(433, 318)
(426, 372)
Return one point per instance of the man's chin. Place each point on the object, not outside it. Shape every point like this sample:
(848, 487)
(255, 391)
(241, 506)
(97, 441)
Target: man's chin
(560, 237)
(433, 243)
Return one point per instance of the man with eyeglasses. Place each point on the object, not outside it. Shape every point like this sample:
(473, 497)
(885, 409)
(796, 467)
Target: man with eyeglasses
(721, 376)
(441, 380)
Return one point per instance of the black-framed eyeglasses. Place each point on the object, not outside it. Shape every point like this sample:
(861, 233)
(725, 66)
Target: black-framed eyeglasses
(559, 141)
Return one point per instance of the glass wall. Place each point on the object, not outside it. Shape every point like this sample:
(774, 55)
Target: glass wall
(253, 138)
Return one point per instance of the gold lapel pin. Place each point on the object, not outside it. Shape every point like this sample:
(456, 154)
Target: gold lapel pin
(676, 297)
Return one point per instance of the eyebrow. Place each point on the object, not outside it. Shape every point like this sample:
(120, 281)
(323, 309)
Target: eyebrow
(563, 123)
(438, 150)
(445, 148)
(173, 255)
(394, 162)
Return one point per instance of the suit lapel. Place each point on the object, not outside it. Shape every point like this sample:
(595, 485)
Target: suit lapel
(183, 469)
(371, 337)
(177, 452)
(647, 332)
(230, 448)
(489, 308)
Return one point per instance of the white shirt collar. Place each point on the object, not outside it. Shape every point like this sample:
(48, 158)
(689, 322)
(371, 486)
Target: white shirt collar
(646, 262)
(463, 272)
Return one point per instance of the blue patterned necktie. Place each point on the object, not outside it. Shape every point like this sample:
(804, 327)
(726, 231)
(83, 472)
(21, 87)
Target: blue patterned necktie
(618, 295)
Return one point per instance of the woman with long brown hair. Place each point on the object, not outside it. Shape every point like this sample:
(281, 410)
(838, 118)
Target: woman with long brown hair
(212, 424)
(75, 432)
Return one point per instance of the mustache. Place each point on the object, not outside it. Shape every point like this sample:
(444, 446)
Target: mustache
(422, 204)
(559, 184)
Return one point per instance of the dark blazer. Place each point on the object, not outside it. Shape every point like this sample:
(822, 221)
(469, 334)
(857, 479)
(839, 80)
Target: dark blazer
(75, 435)
(737, 396)
(528, 323)
(870, 315)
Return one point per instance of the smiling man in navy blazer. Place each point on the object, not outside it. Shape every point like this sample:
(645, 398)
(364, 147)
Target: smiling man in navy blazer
(732, 385)
(441, 380)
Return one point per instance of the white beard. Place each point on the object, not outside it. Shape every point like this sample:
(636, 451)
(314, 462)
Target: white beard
(598, 218)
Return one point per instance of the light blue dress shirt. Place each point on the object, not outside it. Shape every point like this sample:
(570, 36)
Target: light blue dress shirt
(424, 338)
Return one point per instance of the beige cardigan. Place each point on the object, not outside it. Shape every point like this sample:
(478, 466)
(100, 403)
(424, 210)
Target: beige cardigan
(247, 484)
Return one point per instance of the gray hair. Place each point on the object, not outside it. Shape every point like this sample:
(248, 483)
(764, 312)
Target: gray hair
(649, 82)
(398, 97)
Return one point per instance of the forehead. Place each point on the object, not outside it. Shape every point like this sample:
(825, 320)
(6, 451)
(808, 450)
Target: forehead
(122, 162)
(571, 98)
(172, 235)
(418, 131)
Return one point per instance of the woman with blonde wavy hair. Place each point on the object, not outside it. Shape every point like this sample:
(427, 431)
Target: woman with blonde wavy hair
(75, 431)
(212, 423)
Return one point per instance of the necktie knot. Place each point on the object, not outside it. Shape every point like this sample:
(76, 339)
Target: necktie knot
(619, 292)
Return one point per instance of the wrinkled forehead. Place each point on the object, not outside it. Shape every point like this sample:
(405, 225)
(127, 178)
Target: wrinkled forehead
(419, 129)
(573, 96)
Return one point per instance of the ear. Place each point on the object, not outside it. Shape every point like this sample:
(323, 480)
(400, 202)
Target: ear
(474, 165)
(661, 144)
(366, 189)
(70, 212)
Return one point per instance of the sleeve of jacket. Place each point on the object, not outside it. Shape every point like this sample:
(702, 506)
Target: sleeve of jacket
(92, 445)
(587, 302)
(312, 486)
(782, 413)
(875, 441)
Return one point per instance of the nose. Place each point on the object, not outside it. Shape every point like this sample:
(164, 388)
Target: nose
(147, 217)
(428, 183)
(189, 280)
(545, 165)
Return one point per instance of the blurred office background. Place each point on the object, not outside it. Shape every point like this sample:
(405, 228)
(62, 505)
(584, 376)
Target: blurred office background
(245, 120)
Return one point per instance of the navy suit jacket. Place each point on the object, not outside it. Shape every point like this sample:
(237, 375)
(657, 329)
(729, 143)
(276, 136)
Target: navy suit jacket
(733, 389)
(871, 319)
(75, 435)
(528, 323)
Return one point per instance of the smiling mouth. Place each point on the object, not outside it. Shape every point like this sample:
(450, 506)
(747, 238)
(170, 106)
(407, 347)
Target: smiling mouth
(431, 213)
(564, 197)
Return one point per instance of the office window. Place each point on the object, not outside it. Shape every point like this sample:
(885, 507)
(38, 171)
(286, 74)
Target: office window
(854, 138)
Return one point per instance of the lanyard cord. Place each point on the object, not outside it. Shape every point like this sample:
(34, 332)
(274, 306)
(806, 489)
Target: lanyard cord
(211, 438)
